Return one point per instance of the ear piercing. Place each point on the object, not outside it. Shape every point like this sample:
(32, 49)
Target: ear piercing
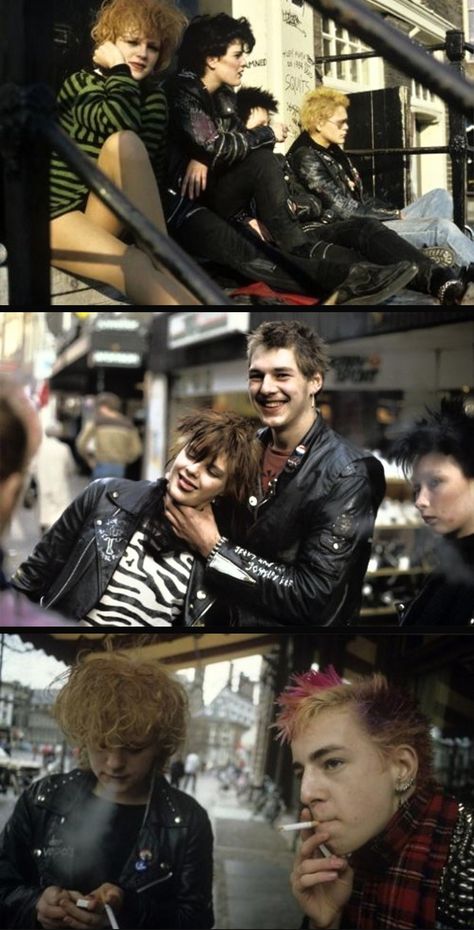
(403, 786)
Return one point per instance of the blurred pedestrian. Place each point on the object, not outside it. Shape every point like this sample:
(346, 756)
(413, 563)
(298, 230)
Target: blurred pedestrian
(385, 846)
(113, 831)
(110, 441)
(20, 436)
(53, 467)
(192, 766)
(436, 452)
(176, 772)
(133, 570)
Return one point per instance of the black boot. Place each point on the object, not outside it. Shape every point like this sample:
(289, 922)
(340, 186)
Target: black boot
(370, 284)
(453, 289)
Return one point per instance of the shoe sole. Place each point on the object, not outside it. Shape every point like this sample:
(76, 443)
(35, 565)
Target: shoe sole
(388, 290)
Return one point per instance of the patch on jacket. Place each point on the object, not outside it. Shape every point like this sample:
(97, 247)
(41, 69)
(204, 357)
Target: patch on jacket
(110, 537)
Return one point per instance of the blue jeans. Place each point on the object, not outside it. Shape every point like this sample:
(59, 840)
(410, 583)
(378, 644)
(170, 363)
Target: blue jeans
(428, 222)
(108, 470)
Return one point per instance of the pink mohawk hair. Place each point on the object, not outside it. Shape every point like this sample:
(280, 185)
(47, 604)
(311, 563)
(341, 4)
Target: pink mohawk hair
(311, 681)
(301, 687)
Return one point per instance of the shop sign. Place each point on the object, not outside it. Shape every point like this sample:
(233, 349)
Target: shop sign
(357, 369)
(190, 327)
(116, 324)
(116, 359)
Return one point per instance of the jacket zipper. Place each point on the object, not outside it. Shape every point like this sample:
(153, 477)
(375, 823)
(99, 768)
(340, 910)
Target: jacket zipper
(157, 882)
(53, 600)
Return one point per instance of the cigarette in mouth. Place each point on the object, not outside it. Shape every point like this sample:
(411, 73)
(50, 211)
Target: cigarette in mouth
(306, 825)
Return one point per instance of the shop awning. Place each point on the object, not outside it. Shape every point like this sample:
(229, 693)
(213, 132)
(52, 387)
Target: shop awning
(181, 650)
(119, 346)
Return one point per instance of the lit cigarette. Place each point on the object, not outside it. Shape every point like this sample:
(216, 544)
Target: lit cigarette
(112, 918)
(304, 825)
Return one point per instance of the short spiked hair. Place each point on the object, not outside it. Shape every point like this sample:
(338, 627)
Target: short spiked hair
(310, 350)
(388, 713)
(449, 431)
(209, 433)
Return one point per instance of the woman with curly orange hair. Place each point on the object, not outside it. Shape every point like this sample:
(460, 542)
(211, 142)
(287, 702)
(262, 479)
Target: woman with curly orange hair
(111, 833)
(116, 113)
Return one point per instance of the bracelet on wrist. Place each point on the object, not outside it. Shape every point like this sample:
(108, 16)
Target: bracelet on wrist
(216, 547)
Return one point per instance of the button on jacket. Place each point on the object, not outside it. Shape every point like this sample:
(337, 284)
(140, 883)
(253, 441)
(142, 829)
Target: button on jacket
(307, 551)
(73, 563)
(331, 176)
(174, 891)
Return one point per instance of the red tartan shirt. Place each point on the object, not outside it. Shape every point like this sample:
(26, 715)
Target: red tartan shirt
(397, 874)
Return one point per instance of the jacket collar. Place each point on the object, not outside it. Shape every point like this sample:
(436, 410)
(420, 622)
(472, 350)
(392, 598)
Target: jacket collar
(60, 793)
(132, 495)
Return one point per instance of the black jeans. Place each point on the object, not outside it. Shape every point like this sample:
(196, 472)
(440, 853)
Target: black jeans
(258, 177)
(369, 237)
(206, 236)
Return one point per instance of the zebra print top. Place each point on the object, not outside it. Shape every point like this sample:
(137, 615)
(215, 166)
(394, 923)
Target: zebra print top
(145, 590)
(91, 107)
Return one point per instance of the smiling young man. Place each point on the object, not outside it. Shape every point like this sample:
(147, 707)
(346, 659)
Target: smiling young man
(308, 541)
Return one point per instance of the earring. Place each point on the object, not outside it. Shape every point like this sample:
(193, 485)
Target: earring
(401, 788)
(313, 402)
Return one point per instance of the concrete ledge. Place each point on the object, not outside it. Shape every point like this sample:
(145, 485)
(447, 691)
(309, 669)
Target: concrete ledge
(67, 289)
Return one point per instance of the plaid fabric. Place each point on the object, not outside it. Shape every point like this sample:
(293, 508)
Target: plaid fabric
(397, 875)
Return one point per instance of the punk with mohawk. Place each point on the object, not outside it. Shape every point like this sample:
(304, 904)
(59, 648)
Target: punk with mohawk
(383, 843)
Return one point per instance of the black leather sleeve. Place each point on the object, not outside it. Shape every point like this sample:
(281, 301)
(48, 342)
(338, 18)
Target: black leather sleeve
(19, 883)
(313, 174)
(205, 140)
(41, 569)
(300, 592)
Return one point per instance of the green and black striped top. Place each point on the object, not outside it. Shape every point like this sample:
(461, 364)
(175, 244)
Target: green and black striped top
(92, 106)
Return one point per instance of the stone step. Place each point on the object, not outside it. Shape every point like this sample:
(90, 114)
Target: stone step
(67, 289)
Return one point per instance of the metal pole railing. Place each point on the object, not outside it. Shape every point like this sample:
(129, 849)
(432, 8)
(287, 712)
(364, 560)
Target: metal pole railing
(157, 244)
(398, 49)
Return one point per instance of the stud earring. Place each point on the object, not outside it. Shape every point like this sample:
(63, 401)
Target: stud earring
(401, 788)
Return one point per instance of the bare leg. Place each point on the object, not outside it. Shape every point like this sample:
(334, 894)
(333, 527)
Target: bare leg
(88, 243)
(81, 247)
(124, 159)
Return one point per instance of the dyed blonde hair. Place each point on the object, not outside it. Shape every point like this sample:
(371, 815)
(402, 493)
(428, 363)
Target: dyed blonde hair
(120, 700)
(389, 714)
(151, 18)
(319, 105)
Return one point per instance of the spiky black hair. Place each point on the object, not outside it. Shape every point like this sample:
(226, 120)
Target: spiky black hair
(449, 430)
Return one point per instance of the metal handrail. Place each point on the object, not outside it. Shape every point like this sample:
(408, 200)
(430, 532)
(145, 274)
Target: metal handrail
(155, 243)
(398, 49)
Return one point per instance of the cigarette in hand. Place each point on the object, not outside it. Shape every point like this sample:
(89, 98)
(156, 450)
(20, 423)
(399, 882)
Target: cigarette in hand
(112, 918)
(306, 825)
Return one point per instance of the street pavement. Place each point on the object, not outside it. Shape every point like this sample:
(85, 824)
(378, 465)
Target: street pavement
(252, 865)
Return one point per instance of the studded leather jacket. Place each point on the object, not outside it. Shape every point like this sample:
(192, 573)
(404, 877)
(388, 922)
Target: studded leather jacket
(206, 127)
(73, 563)
(175, 890)
(456, 897)
(331, 176)
(307, 551)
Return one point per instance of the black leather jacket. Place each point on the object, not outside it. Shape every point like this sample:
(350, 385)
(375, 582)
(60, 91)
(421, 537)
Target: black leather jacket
(331, 176)
(447, 598)
(73, 563)
(312, 532)
(36, 852)
(206, 127)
